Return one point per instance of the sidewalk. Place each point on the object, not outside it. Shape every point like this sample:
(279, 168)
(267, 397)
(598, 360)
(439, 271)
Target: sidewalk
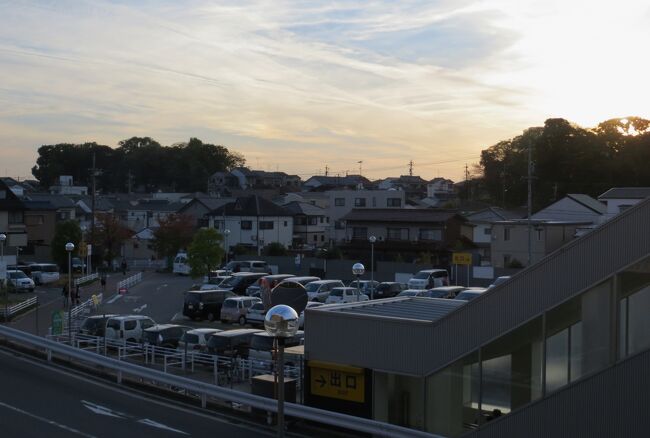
(38, 320)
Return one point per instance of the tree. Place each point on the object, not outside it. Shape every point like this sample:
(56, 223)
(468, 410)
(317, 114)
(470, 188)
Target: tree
(275, 249)
(109, 236)
(205, 252)
(64, 232)
(174, 233)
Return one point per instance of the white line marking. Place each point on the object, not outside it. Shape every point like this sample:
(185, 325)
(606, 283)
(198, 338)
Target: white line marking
(140, 309)
(114, 298)
(152, 423)
(45, 420)
(102, 410)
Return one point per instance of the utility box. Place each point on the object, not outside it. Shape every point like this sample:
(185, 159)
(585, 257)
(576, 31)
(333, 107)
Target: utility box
(265, 386)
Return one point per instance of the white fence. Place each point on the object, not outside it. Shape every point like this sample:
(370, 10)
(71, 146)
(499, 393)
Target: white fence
(9, 311)
(85, 279)
(130, 281)
(147, 264)
(78, 313)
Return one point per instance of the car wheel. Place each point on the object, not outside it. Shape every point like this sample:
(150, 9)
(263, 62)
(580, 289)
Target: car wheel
(242, 320)
(210, 316)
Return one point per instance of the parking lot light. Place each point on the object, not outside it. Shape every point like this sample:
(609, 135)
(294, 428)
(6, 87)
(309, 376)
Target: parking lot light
(372, 240)
(358, 269)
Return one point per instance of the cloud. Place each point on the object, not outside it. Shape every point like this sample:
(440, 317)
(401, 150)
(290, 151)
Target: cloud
(292, 83)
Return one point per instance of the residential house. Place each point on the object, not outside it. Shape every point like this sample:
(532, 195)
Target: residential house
(574, 207)
(310, 225)
(414, 186)
(199, 207)
(253, 221)
(222, 183)
(139, 246)
(12, 223)
(619, 199)
(482, 222)
(510, 240)
(341, 202)
(67, 187)
(441, 193)
(322, 183)
(43, 212)
(407, 232)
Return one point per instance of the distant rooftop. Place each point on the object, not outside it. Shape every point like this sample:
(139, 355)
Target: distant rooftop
(407, 308)
(400, 215)
(626, 193)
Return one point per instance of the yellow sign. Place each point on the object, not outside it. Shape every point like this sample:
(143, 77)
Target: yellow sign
(95, 299)
(337, 381)
(462, 258)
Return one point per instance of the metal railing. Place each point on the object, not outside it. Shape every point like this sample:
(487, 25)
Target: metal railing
(205, 390)
(85, 279)
(17, 308)
(130, 281)
(79, 312)
(147, 264)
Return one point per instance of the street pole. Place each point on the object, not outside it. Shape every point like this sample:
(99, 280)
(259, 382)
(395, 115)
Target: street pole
(69, 247)
(280, 387)
(372, 267)
(3, 281)
(530, 201)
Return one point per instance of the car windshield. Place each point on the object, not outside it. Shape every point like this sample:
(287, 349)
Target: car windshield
(263, 343)
(229, 304)
(17, 274)
(257, 306)
(218, 342)
(190, 338)
(49, 268)
(90, 323)
(232, 281)
(312, 287)
(383, 287)
(408, 293)
(193, 297)
(466, 296)
(436, 294)
(336, 292)
(422, 276)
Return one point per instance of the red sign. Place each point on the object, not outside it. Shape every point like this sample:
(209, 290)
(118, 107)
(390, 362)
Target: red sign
(123, 290)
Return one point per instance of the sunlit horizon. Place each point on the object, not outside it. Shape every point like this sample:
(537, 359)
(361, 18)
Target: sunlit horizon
(296, 87)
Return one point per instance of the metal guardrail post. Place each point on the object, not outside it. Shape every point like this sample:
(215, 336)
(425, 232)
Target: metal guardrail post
(204, 400)
(49, 355)
(216, 370)
(119, 377)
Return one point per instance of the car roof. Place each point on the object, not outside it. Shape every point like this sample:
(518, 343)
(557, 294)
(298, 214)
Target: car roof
(345, 288)
(123, 317)
(158, 327)
(449, 288)
(432, 270)
(390, 282)
(249, 274)
(110, 315)
(302, 278)
(266, 334)
(243, 299)
(203, 330)
(238, 332)
(324, 281)
(276, 276)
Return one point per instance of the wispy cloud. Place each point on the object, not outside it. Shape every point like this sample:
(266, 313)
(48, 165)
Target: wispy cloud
(300, 84)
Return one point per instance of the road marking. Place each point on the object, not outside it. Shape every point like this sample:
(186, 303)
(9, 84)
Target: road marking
(140, 309)
(178, 317)
(152, 423)
(101, 410)
(114, 298)
(45, 420)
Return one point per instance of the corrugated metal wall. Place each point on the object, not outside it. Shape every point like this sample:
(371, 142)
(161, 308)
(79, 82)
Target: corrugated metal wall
(613, 403)
(411, 348)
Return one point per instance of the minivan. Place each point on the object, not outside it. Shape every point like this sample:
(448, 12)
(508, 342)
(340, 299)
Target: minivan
(240, 281)
(128, 327)
(202, 304)
(235, 308)
(261, 348)
(95, 325)
(164, 335)
(18, 280)
(429, 278)
(271, 280)
(248, 266)
(43, 273)
(233, 343)
(319, 290)
(196, 339)
(345, 295)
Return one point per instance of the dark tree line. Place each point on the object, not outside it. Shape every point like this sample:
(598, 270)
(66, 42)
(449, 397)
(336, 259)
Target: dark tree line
(139, 163)
(567, 159)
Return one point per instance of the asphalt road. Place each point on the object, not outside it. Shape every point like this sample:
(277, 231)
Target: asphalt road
(37, 400)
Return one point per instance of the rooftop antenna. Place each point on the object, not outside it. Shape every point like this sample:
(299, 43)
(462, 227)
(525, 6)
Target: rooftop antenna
(327, 170)
(360, 163)
(411, 168)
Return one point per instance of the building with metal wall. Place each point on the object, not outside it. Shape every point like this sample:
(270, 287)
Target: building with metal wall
(554, 339)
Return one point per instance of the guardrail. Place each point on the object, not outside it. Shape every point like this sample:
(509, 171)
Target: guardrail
(205, 390)
(130, 281)
(85, 279)
(147, 264)
(80, 311)
(17, 308)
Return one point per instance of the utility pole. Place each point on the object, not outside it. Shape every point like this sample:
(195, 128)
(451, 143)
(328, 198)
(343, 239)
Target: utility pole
(411, 168)
(92, 206)
(327, 170)
(467, 191)
(530, 200)
(360, 163)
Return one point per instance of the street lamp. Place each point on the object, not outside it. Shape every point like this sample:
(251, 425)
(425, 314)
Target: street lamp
(358, 269)
(281, 322)
(69, 247)
(226, 232)
(3, 280)
(372, 240)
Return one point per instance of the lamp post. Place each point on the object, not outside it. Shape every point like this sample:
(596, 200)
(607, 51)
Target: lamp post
(372, 240)
(3, 280)
(69, 247)
(324, 253)
(358, 269)
(226, 232)
(281, 322)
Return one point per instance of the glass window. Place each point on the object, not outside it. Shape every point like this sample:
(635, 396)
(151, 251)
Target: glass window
(397, 233)
(359, 232)
(266, 225)
(506, 234)
(339, 202)
(430, 234)
(359, 202)
(16, 217)
(130, 325)
(393, 202)
(634, 302)
(246, 225)
(487, 231)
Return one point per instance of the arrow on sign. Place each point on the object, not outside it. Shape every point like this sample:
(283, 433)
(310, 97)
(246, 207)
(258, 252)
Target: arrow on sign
(322, 381)
(140, 309)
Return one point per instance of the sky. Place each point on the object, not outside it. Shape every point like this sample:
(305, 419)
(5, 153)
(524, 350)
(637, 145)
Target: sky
(299, 86)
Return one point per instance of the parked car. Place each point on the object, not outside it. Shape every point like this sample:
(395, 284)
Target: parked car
(43, 273)
(165, 335)
(248, 266)
(95, 325)
(364, 285)
(319, 290)
(254, 289)
(388, 289)
(21, 267)
(255, 315)
(470, 294)
(429, 278)
(202, 304)
(444, 292)
(261, 348)
(240, 281)
(77, 264)
(499, 280)
(345, 295)
(233, 343)
(234, 309)
(19, 281)
(196, 339)
(412, 293)
(301, 280)
(219, 273)
(128, 327)
(214, 283)
(301, 317)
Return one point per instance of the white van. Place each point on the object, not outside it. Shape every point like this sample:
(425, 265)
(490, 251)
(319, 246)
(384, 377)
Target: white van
(181, 265)
(128, 327)
(429, 278)
(43, 273)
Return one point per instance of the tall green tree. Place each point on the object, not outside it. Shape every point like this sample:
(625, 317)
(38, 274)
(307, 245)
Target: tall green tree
(64, 232)
(174, 233)
(205, 252)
